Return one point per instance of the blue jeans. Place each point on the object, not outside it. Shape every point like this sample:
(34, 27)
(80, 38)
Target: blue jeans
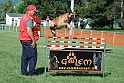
(29, 57)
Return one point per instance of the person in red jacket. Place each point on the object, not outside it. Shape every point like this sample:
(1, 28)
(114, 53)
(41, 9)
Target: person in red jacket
(28, 36)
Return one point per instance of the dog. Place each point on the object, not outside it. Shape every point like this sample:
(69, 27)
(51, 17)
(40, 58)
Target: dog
(61, 21)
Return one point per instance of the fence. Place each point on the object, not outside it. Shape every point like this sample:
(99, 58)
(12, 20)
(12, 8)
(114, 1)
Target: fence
(10, 28)
(115, 38)
(4, 27)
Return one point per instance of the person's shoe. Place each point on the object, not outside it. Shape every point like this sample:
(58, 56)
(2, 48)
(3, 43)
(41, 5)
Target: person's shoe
(24, 74)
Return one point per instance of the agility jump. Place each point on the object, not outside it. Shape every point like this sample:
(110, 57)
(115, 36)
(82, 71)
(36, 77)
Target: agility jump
(66, 51)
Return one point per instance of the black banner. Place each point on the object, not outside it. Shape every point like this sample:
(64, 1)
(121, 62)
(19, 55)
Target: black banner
(75, 60)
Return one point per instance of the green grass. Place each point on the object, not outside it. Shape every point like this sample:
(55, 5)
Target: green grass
(10, 53)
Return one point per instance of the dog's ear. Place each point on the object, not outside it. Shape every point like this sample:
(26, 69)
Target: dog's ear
(69, 12)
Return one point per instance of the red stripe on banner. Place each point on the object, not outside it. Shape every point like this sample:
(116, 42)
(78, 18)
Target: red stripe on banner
(98, 43)
(97, 46)
(59, 37)
(66, 37)
(82, 38)
(89, 42)
(65, 41)
(98, 38)
(57, 41)
(89, 46)
(90, 38)
(73, 41)
(81, 46)
(65, 46)
(82, 42)
(49, 45)
(75, 38)
(50, 36)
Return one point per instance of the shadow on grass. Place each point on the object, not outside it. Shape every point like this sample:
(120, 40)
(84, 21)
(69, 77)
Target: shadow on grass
(40, 71)
(80, 74)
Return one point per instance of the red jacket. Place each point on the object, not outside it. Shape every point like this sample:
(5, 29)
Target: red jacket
(23, 35)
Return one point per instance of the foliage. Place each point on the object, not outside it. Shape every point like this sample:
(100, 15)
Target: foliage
(102, 12)
(51, 8)
(6, 7)
(97, 11)
(20, 8)
(54, 8)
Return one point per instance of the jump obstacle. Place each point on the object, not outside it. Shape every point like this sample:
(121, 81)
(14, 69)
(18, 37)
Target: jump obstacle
(75, 54)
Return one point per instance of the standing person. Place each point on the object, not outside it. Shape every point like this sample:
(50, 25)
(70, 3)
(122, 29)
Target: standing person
(82, 24)
(16, 22)
(28, 36)
(47, 20)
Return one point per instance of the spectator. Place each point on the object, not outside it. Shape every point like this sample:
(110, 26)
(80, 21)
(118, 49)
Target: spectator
(28, 36)
(47, 20)
(16, 22)
(82, 24)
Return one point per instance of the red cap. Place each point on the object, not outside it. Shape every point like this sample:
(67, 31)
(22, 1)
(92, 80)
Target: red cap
(32, 7)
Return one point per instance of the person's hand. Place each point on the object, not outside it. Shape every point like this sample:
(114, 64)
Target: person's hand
(33, 44)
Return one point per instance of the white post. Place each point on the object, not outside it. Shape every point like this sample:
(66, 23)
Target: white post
(9, 28)
(91, 34)
(5, 27)
(2, 27)
(16, 28)
(81, 33)
(102, 34)
(13, 27)
(113, 38)
(65, 32)
(72, 5)
(72, 9)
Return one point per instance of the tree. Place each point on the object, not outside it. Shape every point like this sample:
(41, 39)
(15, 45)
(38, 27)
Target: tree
(101, 12)
(1, 13)
(6, 7)
(122, 14)
(20, 8)
(95, 11)
(51, 8)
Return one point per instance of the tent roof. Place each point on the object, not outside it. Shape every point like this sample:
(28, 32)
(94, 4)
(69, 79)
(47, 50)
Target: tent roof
(14, 15)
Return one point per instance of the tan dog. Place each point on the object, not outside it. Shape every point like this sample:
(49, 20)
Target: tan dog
(62, 21)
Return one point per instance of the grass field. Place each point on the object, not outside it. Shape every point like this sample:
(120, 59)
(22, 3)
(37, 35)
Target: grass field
(10, 53)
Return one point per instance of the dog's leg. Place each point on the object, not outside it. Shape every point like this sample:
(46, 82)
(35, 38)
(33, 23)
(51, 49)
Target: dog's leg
(54, 33)
(68, 26)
